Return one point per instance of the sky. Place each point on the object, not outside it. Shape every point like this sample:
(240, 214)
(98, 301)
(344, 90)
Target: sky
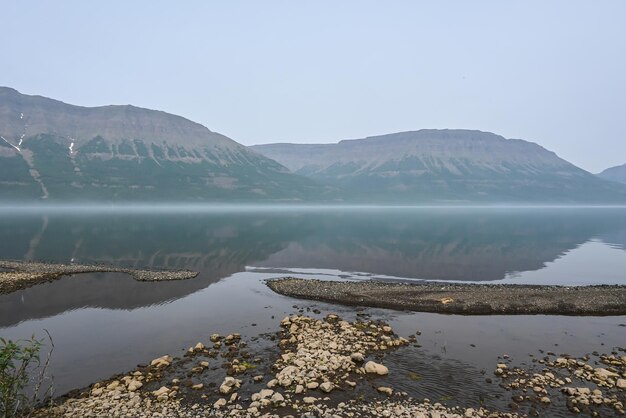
(551, 72)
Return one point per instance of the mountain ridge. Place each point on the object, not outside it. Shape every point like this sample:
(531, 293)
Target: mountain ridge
(445, 165)
(617, 173)
(52, 149)
(14, 124)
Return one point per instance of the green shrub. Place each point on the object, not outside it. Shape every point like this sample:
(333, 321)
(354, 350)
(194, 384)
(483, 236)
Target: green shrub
(21, 373)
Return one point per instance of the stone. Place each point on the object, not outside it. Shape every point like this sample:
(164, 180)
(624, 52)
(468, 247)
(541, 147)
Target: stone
(375, 368)
(299, 389)
(231, 381)
(198, 386)
(220, 403)
(358, 357)
(163, 361)
(327, 387)
(163, 390)
(312, 385)
(309, 400)
(621, 383)
(387, 391)
(134, 385)
(266, 393)
(604, 374)
(277, 397)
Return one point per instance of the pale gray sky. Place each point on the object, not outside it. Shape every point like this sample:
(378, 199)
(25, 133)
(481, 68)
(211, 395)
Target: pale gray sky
(552, 72)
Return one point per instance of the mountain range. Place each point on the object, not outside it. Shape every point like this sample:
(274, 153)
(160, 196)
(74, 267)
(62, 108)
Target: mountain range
(57, 151)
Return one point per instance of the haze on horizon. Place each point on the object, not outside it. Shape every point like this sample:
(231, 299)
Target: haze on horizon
(552, 73)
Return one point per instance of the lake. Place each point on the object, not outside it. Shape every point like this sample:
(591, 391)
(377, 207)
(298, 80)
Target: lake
(108, 323)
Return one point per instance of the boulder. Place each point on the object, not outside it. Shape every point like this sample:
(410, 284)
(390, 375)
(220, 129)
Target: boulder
(375, 368)
(387, 391)
(327, 387)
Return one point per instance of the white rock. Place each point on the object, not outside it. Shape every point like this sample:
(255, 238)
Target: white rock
(385, 390)
(277, 397)
(327, 387)
(266, 393)
(604, 374)
(163, 361)
(359, 357)
(133, 385)
(230, 382)
(163, 390)
(375, 368)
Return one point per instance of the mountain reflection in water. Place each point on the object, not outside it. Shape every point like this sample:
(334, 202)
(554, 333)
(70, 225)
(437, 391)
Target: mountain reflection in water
(431, 244)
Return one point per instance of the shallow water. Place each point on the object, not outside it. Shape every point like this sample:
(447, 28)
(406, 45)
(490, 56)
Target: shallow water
(106, 323)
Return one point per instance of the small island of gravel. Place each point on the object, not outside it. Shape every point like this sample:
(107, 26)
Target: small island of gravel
(465, 299)
(17, 275)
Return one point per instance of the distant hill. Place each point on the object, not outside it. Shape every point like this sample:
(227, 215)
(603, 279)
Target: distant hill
(615, 174)
(445, 166)
(55, 150)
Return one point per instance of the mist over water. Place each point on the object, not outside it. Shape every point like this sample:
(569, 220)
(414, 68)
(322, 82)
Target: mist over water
(423, 243)
(45, 207)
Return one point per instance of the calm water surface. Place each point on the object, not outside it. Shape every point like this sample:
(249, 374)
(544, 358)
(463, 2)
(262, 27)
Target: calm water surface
(108, 323)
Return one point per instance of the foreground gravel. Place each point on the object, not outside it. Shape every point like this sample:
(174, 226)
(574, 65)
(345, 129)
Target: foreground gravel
(21, 274)
(469, 299)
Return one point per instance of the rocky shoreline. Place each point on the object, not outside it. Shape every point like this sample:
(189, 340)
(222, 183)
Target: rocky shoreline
(465, 299)
(318, 365)
(17, 275)
(331, 368)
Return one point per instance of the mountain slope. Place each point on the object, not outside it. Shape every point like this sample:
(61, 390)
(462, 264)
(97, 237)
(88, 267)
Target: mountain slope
(617, 173)
(52, 149)
(445, 165)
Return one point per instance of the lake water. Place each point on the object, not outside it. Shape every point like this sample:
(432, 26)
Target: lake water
(108, 323)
